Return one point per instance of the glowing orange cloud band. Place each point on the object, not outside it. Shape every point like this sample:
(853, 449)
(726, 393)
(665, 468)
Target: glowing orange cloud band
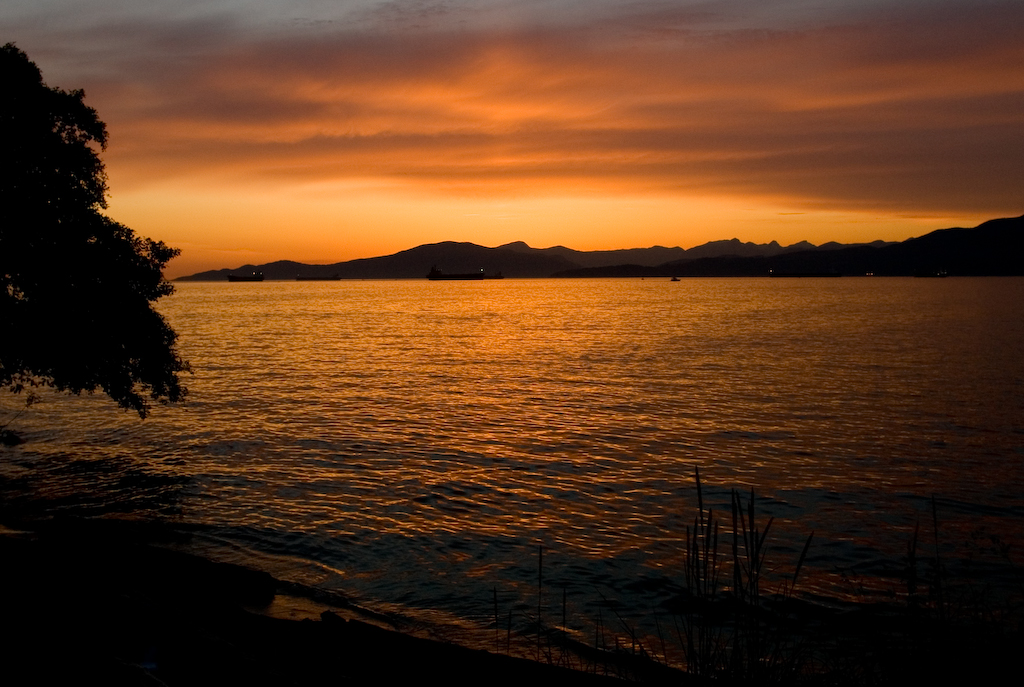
(915, 117)
(222, 138)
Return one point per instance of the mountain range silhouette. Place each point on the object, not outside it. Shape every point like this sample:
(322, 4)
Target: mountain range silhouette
(990, 249)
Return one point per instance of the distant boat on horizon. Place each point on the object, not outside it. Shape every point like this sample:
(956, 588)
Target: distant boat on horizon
(255, 276)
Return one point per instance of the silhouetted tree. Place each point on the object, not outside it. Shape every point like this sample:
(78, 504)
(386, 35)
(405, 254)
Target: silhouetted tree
(76, 287)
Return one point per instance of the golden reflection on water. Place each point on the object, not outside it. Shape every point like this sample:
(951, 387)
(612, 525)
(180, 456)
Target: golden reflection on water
(393, 431)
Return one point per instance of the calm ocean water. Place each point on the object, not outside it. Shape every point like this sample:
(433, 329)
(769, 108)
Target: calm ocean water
(410, 444)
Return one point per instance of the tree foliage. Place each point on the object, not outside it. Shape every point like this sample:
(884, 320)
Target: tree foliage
(76, 288)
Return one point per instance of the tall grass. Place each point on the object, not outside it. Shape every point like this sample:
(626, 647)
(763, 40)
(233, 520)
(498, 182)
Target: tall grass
(703, 638)
(736, 624)
(746, 643)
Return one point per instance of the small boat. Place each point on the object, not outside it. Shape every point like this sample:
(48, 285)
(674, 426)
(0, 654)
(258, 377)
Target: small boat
(255, 276)
(437, 275)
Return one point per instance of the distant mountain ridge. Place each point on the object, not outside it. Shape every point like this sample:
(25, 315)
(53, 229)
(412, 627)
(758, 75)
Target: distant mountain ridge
(515, 259)
(993, 248)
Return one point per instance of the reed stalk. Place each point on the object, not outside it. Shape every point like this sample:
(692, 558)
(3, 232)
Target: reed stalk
(940, 598)
(750, 647)
(704, 640)
(496, 640)
(540, 592)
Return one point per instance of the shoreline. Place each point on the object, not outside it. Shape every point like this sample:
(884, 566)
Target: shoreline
(118, 602)
(104, 602)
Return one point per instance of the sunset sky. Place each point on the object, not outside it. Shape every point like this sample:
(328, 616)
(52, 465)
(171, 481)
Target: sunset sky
(244, 131)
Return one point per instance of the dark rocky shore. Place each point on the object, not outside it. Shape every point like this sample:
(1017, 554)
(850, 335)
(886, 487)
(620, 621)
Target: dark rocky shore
(92, 602)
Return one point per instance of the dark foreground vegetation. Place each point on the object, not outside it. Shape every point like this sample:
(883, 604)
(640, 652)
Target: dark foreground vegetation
(958, 620)
(77, 289)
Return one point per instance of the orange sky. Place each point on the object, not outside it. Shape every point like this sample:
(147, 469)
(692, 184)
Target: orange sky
(249, 133)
